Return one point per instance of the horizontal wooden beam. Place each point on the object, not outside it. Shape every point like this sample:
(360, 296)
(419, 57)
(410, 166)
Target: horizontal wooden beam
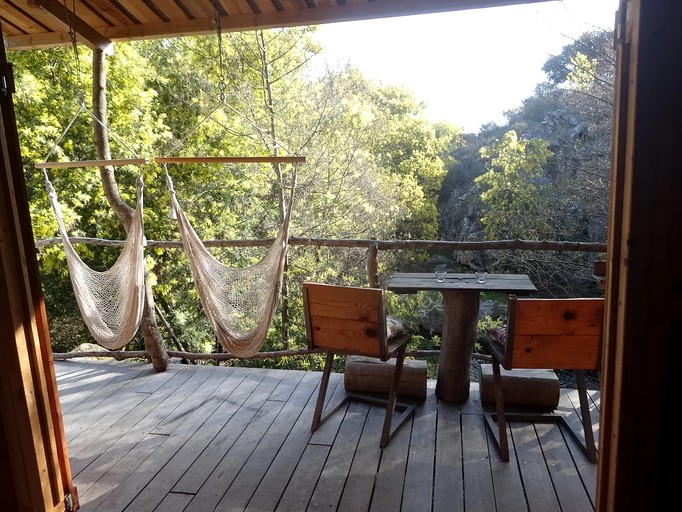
(37, 41)
(90, 36)
(229, 159)
(91, 163)
(384, 245)
(222, 356)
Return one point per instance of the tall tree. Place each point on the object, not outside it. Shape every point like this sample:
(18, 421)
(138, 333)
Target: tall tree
(153, 342)
(374, 163)
(572, 111)
(68, 131)
(511, 194)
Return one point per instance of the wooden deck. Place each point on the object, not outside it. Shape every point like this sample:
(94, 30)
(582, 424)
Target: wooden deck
(206, 438)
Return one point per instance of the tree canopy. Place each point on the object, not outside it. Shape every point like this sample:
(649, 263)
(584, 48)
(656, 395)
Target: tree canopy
(374, 164)
(375, 167)
(545, 174)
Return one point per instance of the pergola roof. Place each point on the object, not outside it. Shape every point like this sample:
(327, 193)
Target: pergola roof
(30, 24)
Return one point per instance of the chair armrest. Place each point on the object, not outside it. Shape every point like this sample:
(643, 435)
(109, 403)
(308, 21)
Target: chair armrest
(395, 343)
(497, 343)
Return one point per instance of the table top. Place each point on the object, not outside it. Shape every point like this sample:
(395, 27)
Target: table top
(414, 282)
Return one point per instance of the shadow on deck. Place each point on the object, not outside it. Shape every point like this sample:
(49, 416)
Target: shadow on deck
(206, 438)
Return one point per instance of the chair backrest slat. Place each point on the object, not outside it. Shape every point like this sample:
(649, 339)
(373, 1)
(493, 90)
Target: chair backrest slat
(345, 319)
(555, 333)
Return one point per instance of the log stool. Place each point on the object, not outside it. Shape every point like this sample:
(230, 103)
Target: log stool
(369, 375)
(523, 388)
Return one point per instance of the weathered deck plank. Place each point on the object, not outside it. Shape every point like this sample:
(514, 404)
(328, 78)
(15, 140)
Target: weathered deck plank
(390, 479)
(91, 390)
(449, 476)
(137, 475)
(221, 438)
(274, 483)
(145, 472)
(479, 492)
(195, 435)
(327, 494)
(239, 441)
(358, 490)
(566, 481)
(536, 479)
(297, 495)
(128, 425)
(239, 494)
(420, 465)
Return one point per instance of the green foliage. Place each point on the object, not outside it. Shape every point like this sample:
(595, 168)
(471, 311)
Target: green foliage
(67, 332)
(596, 48)
(583, 73)
(510, 192)
(573, 113)
(376, 168)
(374, 165)
(485, 325)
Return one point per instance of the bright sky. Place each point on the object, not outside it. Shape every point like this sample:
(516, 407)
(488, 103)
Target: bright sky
(469, 66)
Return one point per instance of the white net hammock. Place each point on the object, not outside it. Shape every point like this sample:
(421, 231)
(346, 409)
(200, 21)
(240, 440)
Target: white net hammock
(238, 302)
(111, 301)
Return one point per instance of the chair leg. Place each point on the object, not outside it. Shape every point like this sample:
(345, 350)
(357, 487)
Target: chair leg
(501, 418)
(324, 383)
(318, 417)
(391, 405)
(387, 433)
(499, 408)
(590, 448)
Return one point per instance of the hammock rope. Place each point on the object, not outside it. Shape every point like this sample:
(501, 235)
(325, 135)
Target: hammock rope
(111, 302)
(239, 303)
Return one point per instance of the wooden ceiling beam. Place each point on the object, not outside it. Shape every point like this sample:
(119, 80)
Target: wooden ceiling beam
(88, 35)
(301, 17)
(37, 41)
(243, 22)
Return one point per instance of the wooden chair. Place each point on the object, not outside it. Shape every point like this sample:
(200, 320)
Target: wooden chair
(547, 333)
(353, 321)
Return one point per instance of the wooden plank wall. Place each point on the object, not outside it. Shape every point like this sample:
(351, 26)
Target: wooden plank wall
(35, 471)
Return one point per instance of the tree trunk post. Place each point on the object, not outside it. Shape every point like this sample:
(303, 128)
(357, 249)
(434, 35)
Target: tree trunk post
(459, 337)
(156, 351)
(372, 265)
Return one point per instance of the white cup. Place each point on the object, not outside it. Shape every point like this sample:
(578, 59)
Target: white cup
(481, 275)
(440, 275)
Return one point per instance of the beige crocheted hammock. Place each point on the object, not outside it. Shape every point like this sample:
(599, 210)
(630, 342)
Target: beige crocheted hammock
(111, 302)
(238, 302)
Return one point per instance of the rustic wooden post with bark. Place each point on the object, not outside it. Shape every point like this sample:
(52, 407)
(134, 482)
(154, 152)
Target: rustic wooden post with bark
(156, 351)
(455, 358)
(372, 265)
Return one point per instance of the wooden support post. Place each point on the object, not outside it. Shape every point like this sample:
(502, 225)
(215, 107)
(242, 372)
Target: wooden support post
(459, 336)
(35, 473)
(372, 265)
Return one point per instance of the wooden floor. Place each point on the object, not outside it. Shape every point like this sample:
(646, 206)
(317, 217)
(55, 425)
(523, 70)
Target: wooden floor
(206, 438)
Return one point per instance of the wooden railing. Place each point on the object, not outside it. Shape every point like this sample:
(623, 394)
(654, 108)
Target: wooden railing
(373, 247)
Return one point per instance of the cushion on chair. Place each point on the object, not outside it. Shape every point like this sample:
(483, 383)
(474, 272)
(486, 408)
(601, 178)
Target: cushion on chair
(395, 327)
(499, 333)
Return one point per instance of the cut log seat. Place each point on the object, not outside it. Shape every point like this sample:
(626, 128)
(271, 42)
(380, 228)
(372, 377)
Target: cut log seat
(369, 375)
(529, 388)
